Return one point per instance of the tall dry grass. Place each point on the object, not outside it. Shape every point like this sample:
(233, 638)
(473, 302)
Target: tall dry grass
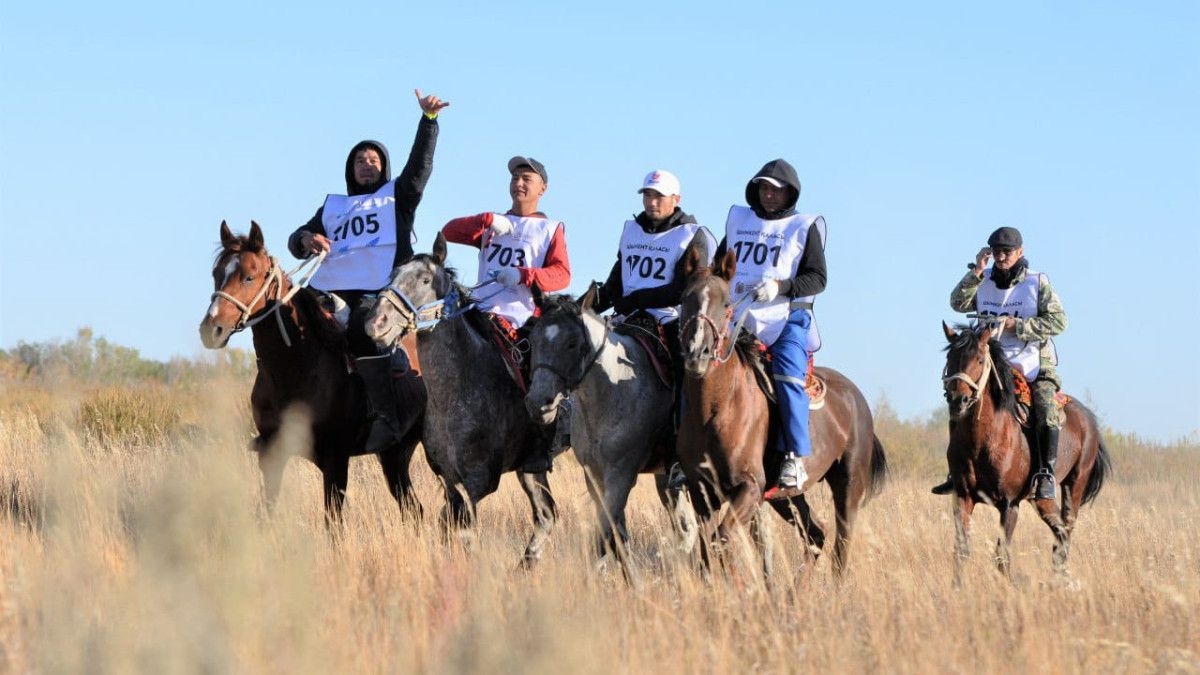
(133, 542)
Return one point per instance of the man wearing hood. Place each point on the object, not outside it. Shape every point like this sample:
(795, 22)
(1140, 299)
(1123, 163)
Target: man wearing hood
(781, 264)
(366, 233)
(1027, 314)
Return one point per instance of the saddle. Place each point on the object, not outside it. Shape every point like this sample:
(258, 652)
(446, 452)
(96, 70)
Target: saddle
(1024, 395)
(756, 355)
(512, 347)
(648, 333)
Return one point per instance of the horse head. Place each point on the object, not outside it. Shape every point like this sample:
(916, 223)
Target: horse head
(421, 281)
(244, 275)
(562, 350)
(970, 364)
(706, 309)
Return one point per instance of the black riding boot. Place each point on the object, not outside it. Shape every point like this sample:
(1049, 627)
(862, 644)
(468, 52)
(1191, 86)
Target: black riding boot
(943, 488)
(1048, 442)
(376, 374)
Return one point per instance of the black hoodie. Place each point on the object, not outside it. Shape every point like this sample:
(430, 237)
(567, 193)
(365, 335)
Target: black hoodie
(612, 293)
(409, 188)
(810, 273)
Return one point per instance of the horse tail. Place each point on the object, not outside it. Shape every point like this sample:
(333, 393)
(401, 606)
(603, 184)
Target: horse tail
(879, 468)
(1099, 472)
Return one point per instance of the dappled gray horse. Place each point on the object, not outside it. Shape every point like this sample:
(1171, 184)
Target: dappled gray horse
(621, 410)
(476, 427)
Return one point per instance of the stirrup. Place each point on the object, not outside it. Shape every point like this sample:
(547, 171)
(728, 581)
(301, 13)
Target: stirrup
(1044, 485)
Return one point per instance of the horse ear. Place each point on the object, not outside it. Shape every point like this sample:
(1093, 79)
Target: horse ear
(439, 249)
(227, 238)
(696, 255)
(256, 236)
(950, 334)
(589, 298)
(726, 266)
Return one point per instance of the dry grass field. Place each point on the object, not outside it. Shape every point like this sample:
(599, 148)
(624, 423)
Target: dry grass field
(133, 542)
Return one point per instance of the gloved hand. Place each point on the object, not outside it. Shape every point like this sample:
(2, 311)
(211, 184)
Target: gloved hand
(509, 276)
(767, 291)
(501, 225)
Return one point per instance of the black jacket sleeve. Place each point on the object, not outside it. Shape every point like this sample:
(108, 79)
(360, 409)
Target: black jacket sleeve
(313, 225)
(610, 290)
(410, 185)
(810, 273)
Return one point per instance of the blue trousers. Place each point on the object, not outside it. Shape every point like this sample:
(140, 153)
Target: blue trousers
(789, 366)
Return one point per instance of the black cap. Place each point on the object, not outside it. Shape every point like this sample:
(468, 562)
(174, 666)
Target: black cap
(1005, 237)
(518, 162)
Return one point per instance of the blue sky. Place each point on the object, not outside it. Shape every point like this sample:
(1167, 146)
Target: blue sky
(128, 131)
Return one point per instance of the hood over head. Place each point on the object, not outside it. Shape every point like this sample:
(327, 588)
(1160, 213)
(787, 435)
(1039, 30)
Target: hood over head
(779, 172)
(352, 187)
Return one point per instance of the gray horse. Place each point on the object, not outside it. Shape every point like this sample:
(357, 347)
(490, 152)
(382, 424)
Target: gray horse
(476, 427)
(621, 411)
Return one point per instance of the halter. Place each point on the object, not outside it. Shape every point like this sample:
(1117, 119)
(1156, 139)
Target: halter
(588, 364)
(977, 386)
(274, 276)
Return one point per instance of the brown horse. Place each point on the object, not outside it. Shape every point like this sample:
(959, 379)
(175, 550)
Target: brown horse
(990, 457)
(726, 418)
(302, 362)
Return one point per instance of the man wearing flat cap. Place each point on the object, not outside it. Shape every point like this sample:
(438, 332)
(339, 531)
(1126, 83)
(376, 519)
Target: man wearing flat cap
(1027, 313)
(519, 251)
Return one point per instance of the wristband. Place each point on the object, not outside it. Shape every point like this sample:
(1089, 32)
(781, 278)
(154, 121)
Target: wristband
(430, 116)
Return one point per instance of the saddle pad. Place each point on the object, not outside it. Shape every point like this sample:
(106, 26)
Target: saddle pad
(654, 343)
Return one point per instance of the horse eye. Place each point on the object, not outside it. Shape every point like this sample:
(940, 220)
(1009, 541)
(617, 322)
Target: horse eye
(248, 278)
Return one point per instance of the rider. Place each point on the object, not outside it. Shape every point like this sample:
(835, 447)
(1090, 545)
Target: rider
(1028, 314)
(781, 265)
(647, 280)
(367, 232)
(520, 251)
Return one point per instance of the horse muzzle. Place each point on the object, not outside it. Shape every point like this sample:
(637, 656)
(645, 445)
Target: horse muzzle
(213, 335)
(542, 409)
(697, 366)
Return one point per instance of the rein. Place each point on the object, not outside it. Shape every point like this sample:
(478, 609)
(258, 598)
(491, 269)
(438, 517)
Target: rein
(589, 363)
(425, 317)
(720, 336)
(274, 276)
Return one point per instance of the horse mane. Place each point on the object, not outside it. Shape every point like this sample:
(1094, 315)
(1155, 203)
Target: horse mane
(1003, 394)
(324, 329)
(560, 303)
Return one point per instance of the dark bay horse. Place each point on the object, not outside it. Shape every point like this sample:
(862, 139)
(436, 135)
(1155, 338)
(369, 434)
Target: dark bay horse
(302, 361)
(990, 457)
(621, 410)
(724, 431)
(476, 427)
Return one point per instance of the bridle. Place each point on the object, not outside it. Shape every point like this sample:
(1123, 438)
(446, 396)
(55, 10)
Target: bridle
(726, 336)
(978, 386)
(423, 318)
(275, 277)
(587, 364)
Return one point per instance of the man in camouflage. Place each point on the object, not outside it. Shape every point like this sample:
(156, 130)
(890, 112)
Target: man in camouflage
(1006, 295)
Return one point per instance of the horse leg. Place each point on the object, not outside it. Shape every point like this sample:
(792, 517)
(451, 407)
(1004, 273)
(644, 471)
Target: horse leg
(395, 462)
(683, 516)
(764, 538)
(1062, 538)
(335, 473)
(744, 505)
(707, 509)
(617, 485)
(1008, 521)
(271, 465)
(798, 514)
(537, 489)
(963, 506)
(847, 496)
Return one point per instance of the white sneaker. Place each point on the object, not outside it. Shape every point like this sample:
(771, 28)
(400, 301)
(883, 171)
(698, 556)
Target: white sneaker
(792, 474)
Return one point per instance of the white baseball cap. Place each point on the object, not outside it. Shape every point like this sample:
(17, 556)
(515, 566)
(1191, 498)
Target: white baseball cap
(663, 182)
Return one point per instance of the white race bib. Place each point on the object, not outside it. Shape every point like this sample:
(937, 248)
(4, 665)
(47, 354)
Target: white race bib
(525, 246)
(648, 260)
(362, 235)
(1021, 301)
(769, 249)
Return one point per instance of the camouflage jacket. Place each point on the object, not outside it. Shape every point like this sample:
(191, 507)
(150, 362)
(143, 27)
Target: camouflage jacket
(1051, 319)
